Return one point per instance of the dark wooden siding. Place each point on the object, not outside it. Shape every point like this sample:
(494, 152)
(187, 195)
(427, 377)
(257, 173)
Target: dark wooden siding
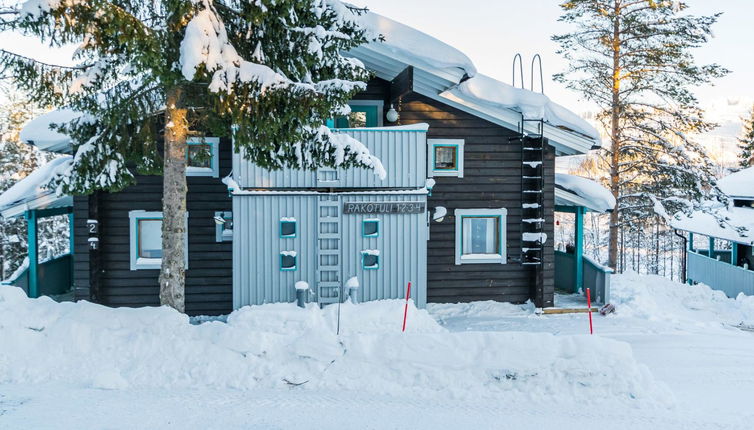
(209, 276)
(492, 179)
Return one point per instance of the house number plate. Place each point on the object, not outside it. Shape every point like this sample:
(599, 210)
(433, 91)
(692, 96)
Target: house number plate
(384, 208)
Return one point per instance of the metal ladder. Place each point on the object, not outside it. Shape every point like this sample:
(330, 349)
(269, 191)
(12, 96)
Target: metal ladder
(532, 204)
(328, 249)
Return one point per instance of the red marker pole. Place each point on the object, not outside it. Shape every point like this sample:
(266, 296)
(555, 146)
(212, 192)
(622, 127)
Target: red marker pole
(405, 308)
(589, 310)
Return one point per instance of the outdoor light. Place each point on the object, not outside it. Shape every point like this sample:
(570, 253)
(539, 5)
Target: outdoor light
(392, 114)
(219, 220)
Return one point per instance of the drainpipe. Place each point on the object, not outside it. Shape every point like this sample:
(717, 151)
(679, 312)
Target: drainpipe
(683, 260)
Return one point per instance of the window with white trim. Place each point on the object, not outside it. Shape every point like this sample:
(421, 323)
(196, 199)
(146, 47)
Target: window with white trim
(480, 236)
(146, 240)
(445, 157)
(203, 156)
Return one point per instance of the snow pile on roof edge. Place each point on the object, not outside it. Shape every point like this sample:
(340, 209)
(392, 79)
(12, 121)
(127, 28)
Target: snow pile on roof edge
(739, 184)
(38, 130)
(425, 51)
(278, 345)
(492, 93)
(32, 186)
(600, 197)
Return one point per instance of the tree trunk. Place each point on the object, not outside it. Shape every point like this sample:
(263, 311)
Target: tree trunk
(615, 138)
(173, 271)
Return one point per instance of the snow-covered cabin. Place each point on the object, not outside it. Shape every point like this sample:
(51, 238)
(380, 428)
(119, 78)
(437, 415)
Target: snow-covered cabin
(721, 254)
(464, 213)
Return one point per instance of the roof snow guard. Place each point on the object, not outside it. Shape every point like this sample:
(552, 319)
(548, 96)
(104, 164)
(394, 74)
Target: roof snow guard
(29, 193)
(445, 74)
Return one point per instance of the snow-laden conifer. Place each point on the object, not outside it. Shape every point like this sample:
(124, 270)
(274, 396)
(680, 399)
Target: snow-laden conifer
(149, 74)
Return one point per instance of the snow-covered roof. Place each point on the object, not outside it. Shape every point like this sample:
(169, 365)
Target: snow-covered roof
(441, 72)
(706, 224)
(29, 192)
(490, 92)
(574, 190)
(444, 73)
(739, 184)
(418, 48)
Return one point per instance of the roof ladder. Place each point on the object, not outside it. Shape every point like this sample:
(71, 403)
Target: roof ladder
(532, 203)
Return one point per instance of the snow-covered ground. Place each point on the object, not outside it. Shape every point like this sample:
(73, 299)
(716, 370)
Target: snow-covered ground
(671, 357)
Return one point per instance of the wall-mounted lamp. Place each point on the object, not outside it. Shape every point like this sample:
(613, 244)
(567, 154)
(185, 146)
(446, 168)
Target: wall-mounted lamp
(392, 114)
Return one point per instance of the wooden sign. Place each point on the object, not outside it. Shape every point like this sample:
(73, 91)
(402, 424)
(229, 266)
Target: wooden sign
(384, 208)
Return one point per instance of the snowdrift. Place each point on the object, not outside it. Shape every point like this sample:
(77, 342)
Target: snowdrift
(280, 345)
(658, 298)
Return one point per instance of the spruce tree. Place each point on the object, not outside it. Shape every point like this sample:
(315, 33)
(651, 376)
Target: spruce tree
(633, 59)
(746, 156)
(151, 73)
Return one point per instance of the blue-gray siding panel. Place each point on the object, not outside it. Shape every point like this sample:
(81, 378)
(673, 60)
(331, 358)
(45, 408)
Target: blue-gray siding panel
(403, 154)
(257, 245)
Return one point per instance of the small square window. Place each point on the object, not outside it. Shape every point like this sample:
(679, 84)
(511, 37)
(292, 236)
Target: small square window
(202, 157)
(370, 228)
(288, 260)
(287, 228)
(370, 260)
(480, 236)
(223, 226)
(445, 157)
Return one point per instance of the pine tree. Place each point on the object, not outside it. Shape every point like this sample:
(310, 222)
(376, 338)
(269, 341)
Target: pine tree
(270, 70)
(747, 142)
(633, 59)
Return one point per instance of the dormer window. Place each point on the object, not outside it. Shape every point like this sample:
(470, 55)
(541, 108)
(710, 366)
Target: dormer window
(364, 113)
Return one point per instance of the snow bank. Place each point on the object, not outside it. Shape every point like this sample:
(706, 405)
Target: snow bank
(492, 93)
(600, 197)
(739, 184)
(32, 186)
(280, 345)
(660, 299)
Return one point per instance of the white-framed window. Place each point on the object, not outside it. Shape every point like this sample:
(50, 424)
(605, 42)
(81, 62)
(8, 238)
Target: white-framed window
(480, 236)
(146, 240)
(445, 157)
(223, 226)
(203, 156)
